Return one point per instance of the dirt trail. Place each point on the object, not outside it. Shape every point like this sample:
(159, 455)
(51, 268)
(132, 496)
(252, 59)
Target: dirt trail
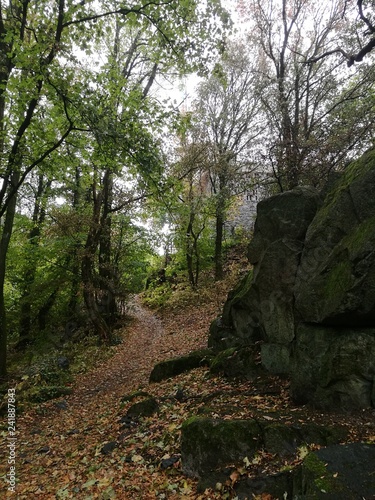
(127, 369)
(57, 437)
(59, 449)
(130, 367)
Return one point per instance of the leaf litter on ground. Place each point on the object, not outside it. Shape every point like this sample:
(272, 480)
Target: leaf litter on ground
(86, 448)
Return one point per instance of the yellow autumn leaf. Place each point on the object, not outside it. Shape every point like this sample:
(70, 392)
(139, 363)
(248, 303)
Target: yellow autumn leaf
(303, 451)
(104, 482)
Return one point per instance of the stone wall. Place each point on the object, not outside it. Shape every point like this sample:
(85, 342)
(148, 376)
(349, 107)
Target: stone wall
(244, 211)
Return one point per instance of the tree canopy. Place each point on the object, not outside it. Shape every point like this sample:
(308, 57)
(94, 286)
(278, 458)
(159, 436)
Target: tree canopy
(97, 157)
(55, 110)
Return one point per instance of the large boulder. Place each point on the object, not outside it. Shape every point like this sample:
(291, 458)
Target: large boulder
(310, 298)
(334, 367)
(261, 307)
(207, 444)
(211, 447)
(174, 366)
(283, 217)
(336, 277)
(237, 363)
(337, 472)
(239, 323)
(275, 251)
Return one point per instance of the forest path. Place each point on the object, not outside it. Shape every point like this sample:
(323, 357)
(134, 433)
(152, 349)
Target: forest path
(59, 441)
(83, 446)
(141, 348)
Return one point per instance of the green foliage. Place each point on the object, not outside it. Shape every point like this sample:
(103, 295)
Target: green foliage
(93, 132)
(134, 251)
(157, 296)
(184, 295)
(177, 294)
(39, 395)
(204, 246)
(41, 378)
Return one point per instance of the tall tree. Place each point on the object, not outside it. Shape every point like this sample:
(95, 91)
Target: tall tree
(361, 40)
(192, 210)
(301, 101)
(38, 218)
(38, 70)
(226, 112)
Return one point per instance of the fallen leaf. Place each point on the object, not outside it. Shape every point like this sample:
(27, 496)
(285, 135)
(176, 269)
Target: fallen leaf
(89, 483)
(234, 477)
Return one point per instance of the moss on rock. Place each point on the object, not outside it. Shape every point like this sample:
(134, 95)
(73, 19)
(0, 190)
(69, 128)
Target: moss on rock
(337, 472)
(175, 366)
(336, 276)
(315, 482)
(220, 360)
(337, 282)
(50, 392)
(285, 439)
(145, 408)
(237, 363)
(134, 395)
(207, 444)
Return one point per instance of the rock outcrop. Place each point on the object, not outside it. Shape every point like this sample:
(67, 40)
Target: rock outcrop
(337, 472)
(310, 299)
(215, 451)
(209, 444)
(172, 367)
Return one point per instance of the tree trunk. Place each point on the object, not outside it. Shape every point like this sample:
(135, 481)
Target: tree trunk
(45, 309)
(189, 251)
(73, 257)
(4, 245)
(31, 264)
(197, 259)
(219, 229)
(219, 273)
(88, 273)
(5, 69)
(107, 285)
(99, 324)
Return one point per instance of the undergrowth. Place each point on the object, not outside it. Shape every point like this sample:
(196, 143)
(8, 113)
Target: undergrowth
(180, 294)
(47, 368)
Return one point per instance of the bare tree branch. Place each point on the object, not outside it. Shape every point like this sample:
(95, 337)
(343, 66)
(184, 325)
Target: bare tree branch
(366, 49)
(366, 20)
